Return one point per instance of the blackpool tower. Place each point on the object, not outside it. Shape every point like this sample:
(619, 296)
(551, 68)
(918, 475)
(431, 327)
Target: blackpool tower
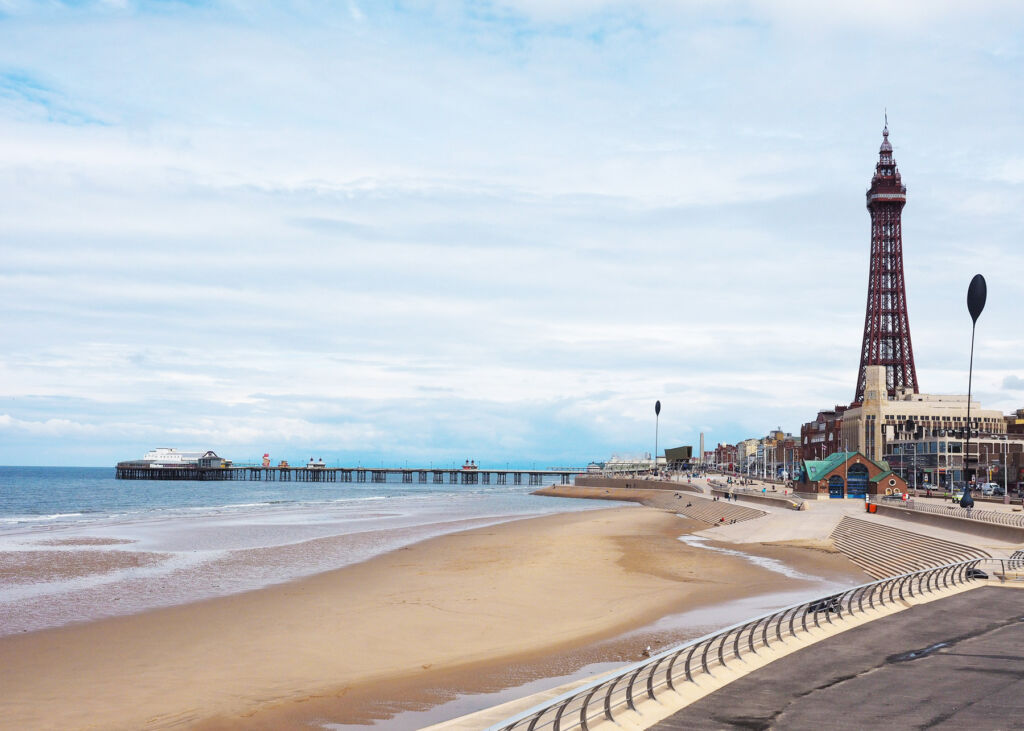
(886, 325)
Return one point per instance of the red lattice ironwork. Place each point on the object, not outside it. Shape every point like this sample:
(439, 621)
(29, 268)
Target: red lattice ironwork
(886, 325)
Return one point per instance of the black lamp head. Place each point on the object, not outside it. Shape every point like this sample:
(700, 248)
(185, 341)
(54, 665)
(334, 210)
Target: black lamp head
(977, 292)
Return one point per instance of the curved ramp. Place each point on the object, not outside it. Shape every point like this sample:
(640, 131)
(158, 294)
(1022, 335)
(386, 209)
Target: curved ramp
(885, 551)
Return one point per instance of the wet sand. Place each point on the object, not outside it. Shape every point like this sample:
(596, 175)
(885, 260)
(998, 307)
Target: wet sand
(463, 612)
(31, 567)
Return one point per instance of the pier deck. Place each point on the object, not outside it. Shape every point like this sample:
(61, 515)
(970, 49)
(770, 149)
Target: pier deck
(136, 471)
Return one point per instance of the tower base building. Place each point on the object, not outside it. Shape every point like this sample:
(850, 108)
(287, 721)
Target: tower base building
(882, 427)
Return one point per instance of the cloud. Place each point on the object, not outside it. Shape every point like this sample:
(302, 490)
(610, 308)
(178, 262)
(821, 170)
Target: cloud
(1013, 383)
(375, 229)
(50, 428)
(335, 226)
(25, 96)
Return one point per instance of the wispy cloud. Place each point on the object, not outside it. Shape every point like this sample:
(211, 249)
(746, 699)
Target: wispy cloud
(25, 96)
(489, 230)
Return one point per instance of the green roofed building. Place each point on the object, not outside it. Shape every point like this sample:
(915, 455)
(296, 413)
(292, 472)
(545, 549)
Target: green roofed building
(849, 475)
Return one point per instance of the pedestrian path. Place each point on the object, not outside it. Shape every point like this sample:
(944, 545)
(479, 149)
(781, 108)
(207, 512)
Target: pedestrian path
(952, 663)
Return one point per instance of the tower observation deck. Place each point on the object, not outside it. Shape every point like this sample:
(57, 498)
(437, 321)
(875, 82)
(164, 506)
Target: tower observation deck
(886, 324)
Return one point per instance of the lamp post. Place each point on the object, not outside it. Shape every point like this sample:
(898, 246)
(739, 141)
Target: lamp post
(846, 469)
(1006, 470)
(657, 414)
(913, 457)
(910, 425)
(977, 293)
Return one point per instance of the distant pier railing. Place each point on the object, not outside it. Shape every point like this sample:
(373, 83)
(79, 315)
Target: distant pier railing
(406, 475)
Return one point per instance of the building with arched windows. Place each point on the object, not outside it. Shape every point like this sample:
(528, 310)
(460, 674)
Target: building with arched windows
(848, 475)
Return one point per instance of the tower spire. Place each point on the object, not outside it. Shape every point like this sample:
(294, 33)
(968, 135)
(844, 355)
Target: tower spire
(886, 323)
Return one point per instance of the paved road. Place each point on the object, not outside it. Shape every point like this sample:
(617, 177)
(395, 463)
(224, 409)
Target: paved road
(957, 663)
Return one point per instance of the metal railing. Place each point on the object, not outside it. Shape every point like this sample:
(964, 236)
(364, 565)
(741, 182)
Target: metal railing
(792, 498)
(996, 517)
(621, 690)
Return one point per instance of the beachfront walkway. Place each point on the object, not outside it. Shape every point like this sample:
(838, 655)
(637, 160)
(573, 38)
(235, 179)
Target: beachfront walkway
(952, 663)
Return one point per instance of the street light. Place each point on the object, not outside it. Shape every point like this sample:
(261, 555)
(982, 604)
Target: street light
(909, 425)
(1006, 470)
(977, 293)
(657, 413)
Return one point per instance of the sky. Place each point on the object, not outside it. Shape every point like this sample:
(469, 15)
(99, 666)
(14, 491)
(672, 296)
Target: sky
(423, 232)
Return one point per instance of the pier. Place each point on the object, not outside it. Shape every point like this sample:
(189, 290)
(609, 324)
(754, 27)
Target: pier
(406, 475)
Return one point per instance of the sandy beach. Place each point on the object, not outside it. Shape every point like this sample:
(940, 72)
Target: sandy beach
(355, 643)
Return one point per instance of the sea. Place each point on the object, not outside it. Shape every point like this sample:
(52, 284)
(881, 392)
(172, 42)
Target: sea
(78, 545)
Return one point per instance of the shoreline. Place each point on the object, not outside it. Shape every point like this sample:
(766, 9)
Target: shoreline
(52, 576)
(453, 611)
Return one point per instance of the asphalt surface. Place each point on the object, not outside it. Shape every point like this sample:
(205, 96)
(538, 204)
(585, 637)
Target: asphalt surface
(956, 663)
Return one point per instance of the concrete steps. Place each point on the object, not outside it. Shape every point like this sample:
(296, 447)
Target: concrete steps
(715, 512)
(883, 551)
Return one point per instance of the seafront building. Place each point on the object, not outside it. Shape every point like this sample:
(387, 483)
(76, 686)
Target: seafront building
(746, 454)
(1015, 422)
(848, 475)
(775, 455)
(168, 457)
(821, 437)
(725, 457)
(678, 458)
(923, 437)
(628, 464)
(937, 462)
(167, 463)
(869, 426)
(784, 452)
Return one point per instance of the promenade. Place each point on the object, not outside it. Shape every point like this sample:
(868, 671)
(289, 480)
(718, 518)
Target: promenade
(953, 663)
